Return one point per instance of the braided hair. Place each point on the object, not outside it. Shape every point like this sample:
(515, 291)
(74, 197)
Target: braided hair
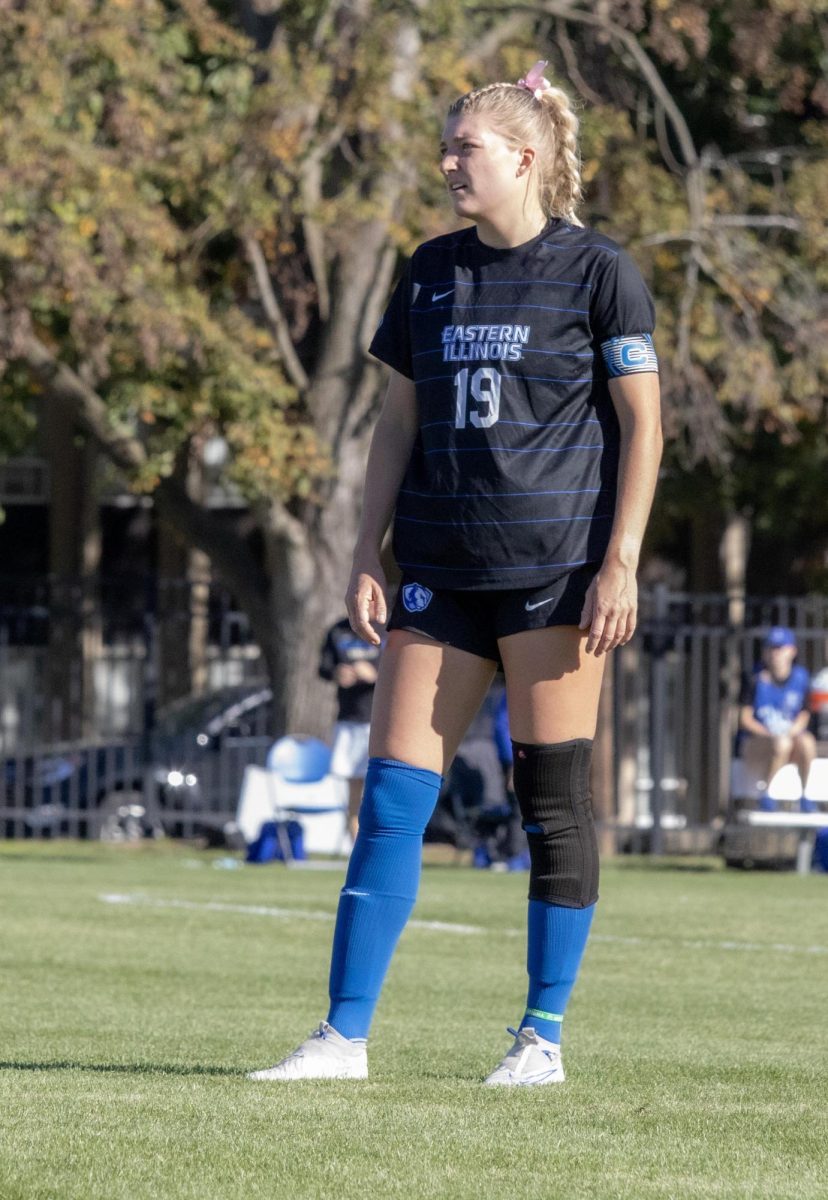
(547, 122)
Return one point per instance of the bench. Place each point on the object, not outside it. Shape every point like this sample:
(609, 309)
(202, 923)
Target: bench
(785, 788)
(806, 825)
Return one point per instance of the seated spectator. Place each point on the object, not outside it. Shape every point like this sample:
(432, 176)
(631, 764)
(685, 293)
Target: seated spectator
(774, 715)
(352, 665)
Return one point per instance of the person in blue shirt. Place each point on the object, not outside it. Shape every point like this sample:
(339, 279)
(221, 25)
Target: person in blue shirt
(774, 714)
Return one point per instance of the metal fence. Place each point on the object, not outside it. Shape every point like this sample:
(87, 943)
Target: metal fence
(109, 647)
(63, 790)
(676, 690)
(673, 713)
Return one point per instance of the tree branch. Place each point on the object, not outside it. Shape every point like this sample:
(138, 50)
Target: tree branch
(645, 65)
(311, 190)
(61, 383)
(200, 527)
(274, 314)
(660, 239)
(662, 136)
(733, 221)
(771, 221)
(571, 61)
(647, 68)
(730, 289)
(491, 41)
(377, 296)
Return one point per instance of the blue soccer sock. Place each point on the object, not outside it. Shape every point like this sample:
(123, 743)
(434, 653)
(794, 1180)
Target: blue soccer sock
(380, 888)
(556, 942)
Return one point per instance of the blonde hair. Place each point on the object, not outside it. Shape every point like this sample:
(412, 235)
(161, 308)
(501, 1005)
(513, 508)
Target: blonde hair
(549, 123)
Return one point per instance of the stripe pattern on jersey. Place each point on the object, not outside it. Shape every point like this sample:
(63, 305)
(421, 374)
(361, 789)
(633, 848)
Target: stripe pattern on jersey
(513, 473)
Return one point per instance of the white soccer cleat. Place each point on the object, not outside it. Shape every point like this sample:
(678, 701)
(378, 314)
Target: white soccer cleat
(325, 1055)
(531, 1061)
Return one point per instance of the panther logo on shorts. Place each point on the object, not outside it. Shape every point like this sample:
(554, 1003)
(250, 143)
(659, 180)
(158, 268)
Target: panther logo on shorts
(416, 597)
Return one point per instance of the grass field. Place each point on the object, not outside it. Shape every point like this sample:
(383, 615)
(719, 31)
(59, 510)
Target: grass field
(696, 1042)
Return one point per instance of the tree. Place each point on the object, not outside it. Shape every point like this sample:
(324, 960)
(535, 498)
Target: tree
(733, 239)
(153, 166)
(200, 221)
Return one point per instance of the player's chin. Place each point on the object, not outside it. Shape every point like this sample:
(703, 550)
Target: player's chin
(463, 202)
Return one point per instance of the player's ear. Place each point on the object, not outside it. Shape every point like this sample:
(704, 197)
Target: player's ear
(527, 159)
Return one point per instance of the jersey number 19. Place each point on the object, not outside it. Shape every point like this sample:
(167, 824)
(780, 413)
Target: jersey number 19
(485, 392)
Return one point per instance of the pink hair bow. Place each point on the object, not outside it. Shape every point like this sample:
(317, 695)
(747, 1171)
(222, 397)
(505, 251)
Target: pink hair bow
(534, 80)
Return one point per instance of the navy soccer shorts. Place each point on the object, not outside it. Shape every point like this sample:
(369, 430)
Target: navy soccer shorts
(473, 621)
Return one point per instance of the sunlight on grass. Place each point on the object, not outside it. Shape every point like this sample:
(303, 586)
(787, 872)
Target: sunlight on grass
(696, 1042)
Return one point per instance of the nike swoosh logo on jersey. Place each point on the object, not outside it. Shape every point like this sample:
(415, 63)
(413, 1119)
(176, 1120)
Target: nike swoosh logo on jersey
(435, 296)
(529, 607)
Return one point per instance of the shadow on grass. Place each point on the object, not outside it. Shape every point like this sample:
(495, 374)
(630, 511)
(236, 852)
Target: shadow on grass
(120, 1068)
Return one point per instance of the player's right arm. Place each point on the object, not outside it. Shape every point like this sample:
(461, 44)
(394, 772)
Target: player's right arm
(388, 458)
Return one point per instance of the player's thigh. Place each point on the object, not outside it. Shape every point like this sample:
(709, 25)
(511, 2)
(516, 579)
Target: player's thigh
(552, 685)
(425, 698)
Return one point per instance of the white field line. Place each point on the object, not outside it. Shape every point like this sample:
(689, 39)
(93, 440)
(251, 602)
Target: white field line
(305, 914)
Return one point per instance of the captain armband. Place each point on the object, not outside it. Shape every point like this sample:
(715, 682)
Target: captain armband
(629, 355)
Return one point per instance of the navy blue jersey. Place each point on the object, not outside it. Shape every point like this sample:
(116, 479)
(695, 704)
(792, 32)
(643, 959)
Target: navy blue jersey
(343, 646)
(513, 474)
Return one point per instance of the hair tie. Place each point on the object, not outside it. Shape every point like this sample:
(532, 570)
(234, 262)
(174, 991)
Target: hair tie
(534, 80)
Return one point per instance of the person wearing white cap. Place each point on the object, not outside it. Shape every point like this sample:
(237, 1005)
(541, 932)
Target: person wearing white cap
(774, 715)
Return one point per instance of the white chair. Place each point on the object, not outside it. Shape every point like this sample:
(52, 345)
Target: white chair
(295, 785)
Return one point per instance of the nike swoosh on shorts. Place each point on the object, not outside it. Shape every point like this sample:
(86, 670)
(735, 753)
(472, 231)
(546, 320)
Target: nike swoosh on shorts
(529, 607)
(435, 296)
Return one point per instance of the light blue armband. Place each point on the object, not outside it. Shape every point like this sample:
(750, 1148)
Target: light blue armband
(629, 355)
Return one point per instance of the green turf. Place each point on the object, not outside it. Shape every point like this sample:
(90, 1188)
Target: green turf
(696, 1042)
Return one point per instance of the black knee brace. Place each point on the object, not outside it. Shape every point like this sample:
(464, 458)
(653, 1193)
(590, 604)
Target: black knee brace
(552, 788)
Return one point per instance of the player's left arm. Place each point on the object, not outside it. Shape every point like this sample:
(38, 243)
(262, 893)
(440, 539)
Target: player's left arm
(611, 605)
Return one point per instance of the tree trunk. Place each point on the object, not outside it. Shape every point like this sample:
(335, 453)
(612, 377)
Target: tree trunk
(705, 534)
(183, 606)
(309, 567)
(183, 609)
(733, 555)
(74, 557)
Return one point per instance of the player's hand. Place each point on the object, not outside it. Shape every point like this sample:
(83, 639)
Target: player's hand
(365, 600)
(610, 608)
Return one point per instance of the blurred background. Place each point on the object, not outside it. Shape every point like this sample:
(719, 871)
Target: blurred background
(203, 208)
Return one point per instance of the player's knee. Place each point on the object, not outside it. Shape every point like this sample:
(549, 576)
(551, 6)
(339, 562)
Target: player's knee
(552, 787)
(398, 799)
(782, 745)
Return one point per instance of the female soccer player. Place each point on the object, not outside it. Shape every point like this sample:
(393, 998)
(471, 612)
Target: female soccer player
(518, 447)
